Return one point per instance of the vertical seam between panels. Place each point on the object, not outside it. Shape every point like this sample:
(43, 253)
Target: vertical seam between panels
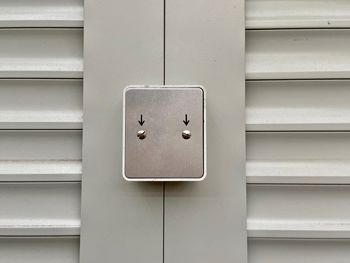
(163, 223)
(164, 33)
(164, 52)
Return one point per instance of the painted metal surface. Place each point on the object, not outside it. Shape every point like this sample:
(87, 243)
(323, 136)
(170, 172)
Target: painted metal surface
(297, 122)
(120, 216)
(41, 53)
(297, 54)
(45, 155)
(40, 160)
(295, 184)
(41, 13)
(205, 221)
(298, 105)
(41, 104)
(40, 145)
(121, 221)
(298, 211)
(299, 250)
(40, 208)
(262, 14)
(39, 249)
(299, 157)
(36, 209)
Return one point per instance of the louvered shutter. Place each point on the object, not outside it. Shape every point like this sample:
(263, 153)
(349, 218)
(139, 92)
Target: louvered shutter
(41, 70)
(297, 121)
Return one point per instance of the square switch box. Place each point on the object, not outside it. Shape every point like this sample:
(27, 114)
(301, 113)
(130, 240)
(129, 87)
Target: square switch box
(164, 134)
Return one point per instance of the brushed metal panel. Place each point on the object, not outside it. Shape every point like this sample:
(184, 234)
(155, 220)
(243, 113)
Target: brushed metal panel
(206, 222)
(41, 53)
(164, 154)
(302, 157)
(39, 249)
(41, 104)
(125, 219)
(297, 14)
(297, 54)
(41, 13)
(298, 105)
(298, 250)
(39, 209)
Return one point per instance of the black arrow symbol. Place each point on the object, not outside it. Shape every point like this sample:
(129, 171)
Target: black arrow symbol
(186, 121)
(141, 121)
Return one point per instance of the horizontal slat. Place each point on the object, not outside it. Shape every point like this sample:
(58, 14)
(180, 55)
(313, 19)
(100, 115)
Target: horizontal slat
(41, 104)
(40, 155)
(297, 54)
(296, 172)
(294, 229)
(40, 145)
(292, 251)
(301, 157)
(298, 105)
(313, 211)
(41, 13)
(299, 203)
(297, 14)
(29, 228)
(39, 249)
(52, 170)
(41, 53)
(39, 209)
(298, 146)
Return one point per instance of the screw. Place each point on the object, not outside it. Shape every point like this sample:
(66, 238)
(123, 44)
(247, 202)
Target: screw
(186, 134)
(141, 134)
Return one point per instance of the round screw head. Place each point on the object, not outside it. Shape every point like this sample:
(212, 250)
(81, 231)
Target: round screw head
(186, 134)
(141, 134)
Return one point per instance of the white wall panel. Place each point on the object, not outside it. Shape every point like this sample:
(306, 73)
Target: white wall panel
(299, 251)
(298, 105)
(297, 54)
(302, 157)
(41, 104)
(39, 209)
(297, 14)
(41, 53)
(39, 249)
(41, 155)
(41, 13)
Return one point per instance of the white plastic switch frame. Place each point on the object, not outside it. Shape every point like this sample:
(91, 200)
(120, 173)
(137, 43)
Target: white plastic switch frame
(164, 133)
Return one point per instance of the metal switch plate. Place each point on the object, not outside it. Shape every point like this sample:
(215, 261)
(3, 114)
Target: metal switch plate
(164, 133)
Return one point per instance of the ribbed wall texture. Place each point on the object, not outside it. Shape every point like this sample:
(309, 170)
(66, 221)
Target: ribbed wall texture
(298, 119)
(298, 122)
(41, 70)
